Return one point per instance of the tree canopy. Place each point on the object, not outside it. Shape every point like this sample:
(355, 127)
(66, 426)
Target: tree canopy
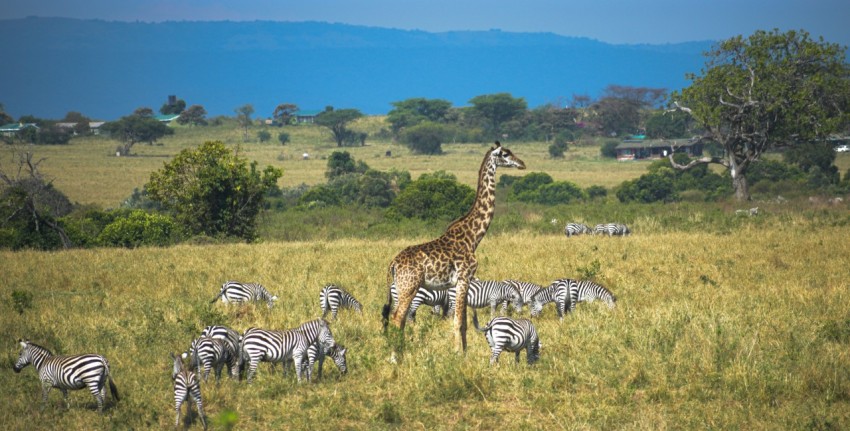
(498, 109)
(337, 121)
(139, 127)
(769, 90)
(211, 191)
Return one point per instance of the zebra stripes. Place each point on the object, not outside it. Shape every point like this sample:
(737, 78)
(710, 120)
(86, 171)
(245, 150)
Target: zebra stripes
(587, 291)
(482, 293)
(576, 229)
(612, 229)
(315, 354)
(212, 353)
(439, 299)
(556, 292)
(236, 292)
(67, 372)
(273, 346)
(186, 385)
(513, 335)
(333, 297)
(526, 292)
(232, 338)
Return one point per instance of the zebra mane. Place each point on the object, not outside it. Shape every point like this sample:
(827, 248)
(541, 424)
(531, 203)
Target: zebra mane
(27, 343)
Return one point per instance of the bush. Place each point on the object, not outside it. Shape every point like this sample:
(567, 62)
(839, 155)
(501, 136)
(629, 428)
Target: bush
(657, 186)
(609, 149)
(425, 138)
(557, 149)
(433, 198)
(283, 137)
(529, 185)
(320, 195)
(264, 136)
(594, 192)
(139, 229)
(559, 192)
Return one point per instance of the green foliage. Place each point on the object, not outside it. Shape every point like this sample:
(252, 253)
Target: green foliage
(283, 138)
(337, 121)
(138, 229)
(21, 300)
(667, 125)
(538, 187)
(84, 225)
(341, 163)
(433, 198)
(264, 135)
(816, 159)
(213, 192)
(320, 195)
(497, 109)
(136, 128)
(410, 112)
(594, 192)
(557, 149)
(609, 149)
(657, 186)
(176, 108)
(425, 138)
(29, 210)
(195, 116)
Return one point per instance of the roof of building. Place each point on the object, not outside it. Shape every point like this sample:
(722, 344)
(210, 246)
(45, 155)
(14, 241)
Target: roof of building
(14, 127)
(306, 113)
(656, 143)
(166, 118)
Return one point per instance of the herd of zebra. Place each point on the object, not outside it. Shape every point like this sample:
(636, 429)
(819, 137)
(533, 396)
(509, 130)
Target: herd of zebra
(610, 229)
(218, 346)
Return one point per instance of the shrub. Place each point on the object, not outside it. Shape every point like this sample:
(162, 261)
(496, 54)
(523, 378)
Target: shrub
(594, 192)
(283, 137)
(321, 194)
(138, 229)
(559, 192)
(525, 188)
(557, 149)
(656, 186)
(425, 138)
(264, 136)
(609, 149)
(433, 198)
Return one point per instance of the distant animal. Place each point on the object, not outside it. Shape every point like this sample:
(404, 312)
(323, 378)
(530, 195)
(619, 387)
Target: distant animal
(612, 229)
(572, 229)
(483, 293)
(69, 372)
(212, 353)
(438, 299)
(186, 384)
(526, 290)
(234, 291)
(333, 297)
(513, 335)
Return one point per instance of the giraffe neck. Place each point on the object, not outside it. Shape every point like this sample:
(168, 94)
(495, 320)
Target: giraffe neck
(470, 228)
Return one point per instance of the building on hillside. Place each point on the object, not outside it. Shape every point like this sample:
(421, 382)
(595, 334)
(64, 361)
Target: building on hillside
(167, 118)
(94, 126)
(12, 129)
(305, 117)
(640, 149)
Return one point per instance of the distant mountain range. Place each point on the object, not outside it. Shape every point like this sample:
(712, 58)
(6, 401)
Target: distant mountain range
(107, 69)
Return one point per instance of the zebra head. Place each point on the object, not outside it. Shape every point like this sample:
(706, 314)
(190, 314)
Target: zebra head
(536, 307)
(338, 355)
(178, 365)
(25, 357)
(272, 300)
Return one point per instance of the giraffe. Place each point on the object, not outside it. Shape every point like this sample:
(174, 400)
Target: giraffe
(449, 260)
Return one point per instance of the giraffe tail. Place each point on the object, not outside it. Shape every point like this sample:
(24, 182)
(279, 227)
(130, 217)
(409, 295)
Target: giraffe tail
(385, 311)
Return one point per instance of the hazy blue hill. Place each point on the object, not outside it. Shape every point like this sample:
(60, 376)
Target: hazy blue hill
(107, 69)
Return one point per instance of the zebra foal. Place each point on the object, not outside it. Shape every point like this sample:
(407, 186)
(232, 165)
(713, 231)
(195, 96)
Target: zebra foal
(67, 372)
(186, 385)
(438, 299)
(236, 292)
(212, 353)
(333, 297)
(513, 335)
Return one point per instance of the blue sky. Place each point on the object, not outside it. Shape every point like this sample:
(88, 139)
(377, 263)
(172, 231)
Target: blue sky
(624, 21)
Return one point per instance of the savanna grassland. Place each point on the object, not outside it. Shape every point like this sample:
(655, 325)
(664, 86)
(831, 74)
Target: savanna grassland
(724, 322)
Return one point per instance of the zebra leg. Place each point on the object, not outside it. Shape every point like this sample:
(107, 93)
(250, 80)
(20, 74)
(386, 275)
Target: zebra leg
(98, 389)
(45, 389)
(252, 369)
(517, 356)
(178, 403)
(218, 368)
(200, 405)
(494, 358)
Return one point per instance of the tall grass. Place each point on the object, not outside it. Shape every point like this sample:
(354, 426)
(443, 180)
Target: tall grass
(743, 330)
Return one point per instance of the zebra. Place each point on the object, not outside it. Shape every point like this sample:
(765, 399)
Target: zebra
(513, 335)
(556, 292)
(67, 372)
(232, 338)
(234, 291)
(332, 297)
(186, 385)
(526, 291)
(612, 229)
(272, 346)
(482, 293)
(439, 299)
(587, 291)
(212, 353)
(576, 229)
(278, 346)
(317, 354)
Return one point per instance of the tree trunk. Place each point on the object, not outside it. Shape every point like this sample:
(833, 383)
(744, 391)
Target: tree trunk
(742, 189)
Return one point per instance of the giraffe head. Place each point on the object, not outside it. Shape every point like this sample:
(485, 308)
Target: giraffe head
(504, 157)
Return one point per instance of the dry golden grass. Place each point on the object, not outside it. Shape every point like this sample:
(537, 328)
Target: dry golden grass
(726, 331)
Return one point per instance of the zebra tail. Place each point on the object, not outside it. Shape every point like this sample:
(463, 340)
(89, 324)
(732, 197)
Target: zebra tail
(113, 389)
(475, 321)
(217, 296)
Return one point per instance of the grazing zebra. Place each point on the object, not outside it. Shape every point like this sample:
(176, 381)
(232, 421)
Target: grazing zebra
(587, 291)
(212, 353)
(234, 291)
(439, 299)
(513, 335)
(232, 338)
(482, 293)
(316, 354)
(526, 291)
(273, 346)
(612, 229)
(278, 346)
(576, 229)
(332, 297)
(186, 385)
(556, 292)
(67, 372)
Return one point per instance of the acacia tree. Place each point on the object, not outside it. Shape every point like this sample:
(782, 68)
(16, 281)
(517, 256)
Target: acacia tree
(243, 117)
(497, 109)
(283, 113)
(212, 191)
(337, 121)
(138, 127)
(410, 112)
(766, 91)
(194, 115)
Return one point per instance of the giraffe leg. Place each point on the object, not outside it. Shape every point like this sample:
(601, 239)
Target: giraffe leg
(460, 315)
